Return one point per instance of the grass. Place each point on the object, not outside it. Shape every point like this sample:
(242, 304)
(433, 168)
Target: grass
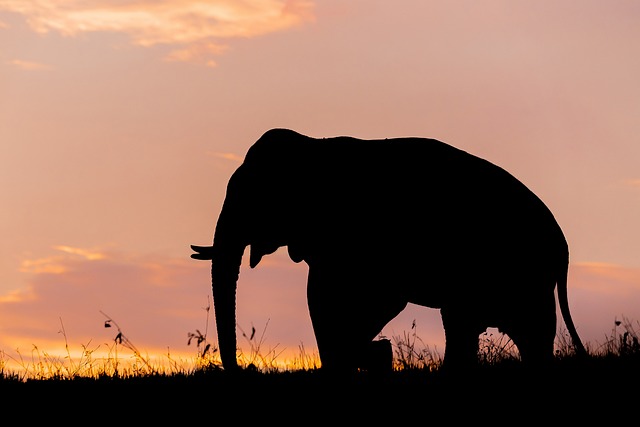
(410, 354)
(611, 367)
(603, 387)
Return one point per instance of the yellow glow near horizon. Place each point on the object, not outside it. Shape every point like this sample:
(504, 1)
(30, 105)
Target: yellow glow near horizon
(90, 360)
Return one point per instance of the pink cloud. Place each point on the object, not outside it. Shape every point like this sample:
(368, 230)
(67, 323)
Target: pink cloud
(199, 28)
(28, 65)
(635, 183)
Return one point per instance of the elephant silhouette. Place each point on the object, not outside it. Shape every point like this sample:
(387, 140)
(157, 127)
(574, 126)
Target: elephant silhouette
(386, 222)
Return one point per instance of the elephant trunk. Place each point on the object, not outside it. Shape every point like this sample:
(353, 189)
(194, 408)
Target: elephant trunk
(225, 269)
(229, 242)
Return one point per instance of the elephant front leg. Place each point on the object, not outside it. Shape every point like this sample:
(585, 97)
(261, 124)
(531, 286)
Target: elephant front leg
(338, 346)
(461, 340)
(346, 319)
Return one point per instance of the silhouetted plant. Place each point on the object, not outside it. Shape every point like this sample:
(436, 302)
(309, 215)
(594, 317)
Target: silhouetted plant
(305, 361)
(622, 343)
(256, 360)
(564, 348)
(206, 356)
(201, 342)
(121, 339)
(42, 365)
(76, 368)
(495, 348)
(410, 357)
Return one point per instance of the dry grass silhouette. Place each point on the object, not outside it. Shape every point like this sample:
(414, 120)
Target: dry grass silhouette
(496, 352)
(265, 389)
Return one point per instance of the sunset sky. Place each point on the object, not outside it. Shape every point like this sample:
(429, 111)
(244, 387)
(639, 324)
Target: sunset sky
(121, 122)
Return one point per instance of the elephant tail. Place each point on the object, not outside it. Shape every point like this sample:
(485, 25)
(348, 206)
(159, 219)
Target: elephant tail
(563, 301)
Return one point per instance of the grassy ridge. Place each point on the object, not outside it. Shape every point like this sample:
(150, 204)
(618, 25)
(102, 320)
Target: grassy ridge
(603, 387)
(496, 352)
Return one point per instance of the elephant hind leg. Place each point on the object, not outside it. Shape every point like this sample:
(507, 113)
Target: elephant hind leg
(378, 358)
(344, 357)
(535, 343)
(534, 351)
(533, 332)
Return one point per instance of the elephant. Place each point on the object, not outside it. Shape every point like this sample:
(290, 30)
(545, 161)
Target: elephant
(382, 223)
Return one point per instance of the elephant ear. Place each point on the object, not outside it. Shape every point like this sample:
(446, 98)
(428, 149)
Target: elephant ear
(258, 250)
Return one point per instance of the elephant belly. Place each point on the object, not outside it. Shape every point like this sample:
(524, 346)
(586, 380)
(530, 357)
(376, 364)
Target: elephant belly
(434, 299)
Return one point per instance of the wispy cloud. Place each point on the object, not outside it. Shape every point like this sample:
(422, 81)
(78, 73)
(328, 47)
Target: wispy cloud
(85, 253)
(606, 277)
(28, 65)
(227, 156)
(635, 183)
(58, 264)
(198, 28)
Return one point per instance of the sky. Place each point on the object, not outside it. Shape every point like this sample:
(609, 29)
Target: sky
(122, 121)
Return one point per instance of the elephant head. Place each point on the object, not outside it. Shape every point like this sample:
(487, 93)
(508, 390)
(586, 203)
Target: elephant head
(257, 212)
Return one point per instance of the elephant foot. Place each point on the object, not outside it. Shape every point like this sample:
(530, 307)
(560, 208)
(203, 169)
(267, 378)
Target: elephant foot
(378, 358)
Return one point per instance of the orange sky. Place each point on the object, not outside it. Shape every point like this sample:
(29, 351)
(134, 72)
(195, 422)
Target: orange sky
(121, 122)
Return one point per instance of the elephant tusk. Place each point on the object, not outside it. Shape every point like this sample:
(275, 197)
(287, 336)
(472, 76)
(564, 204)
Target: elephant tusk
(202, 252)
